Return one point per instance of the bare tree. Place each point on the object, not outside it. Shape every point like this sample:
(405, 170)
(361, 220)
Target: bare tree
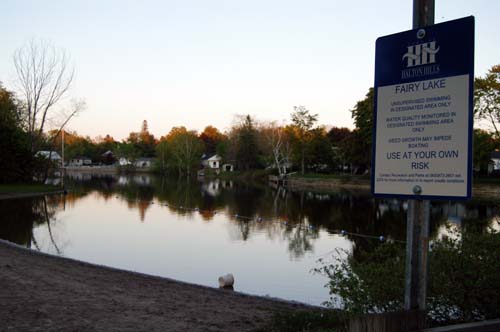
(277, 143)
(43, 78)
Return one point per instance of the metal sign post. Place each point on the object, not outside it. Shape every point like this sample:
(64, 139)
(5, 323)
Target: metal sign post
(417, 221)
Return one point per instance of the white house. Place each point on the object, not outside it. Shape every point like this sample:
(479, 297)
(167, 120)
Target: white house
(494, 165)
(143, 162)
(228, 168)
(211, 161)
(54, 156)
(124, 161)
(80, 161)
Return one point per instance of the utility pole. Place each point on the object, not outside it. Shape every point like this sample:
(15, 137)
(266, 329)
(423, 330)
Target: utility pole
(417, 224)
(62, 160)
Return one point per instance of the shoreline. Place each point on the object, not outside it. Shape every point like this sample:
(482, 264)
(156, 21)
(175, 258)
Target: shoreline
(31, 194)
(47, 292)
(479, 191)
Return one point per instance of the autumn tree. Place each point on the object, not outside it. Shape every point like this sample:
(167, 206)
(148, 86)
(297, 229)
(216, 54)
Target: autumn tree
(146, 141)
(143, 141)
(302, 123)
(487, 98)
(211, 138)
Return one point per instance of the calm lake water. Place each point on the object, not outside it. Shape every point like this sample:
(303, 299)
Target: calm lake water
(269, 239)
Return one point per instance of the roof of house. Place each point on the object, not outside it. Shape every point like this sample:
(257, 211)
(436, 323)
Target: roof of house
(495, 155)
(107, 153)
(211, 157)
(46, 154)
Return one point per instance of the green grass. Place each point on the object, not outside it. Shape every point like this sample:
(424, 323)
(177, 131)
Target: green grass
(308, 321)
(21, 188)
(331, 176)
(486, 180)
(256, 174)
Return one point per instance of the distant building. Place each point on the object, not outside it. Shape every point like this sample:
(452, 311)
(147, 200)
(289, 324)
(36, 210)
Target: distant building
(80, 161)
(228, 168)
(143, 162)
(107, 158)
(53, 155)
(494, 165)
(211, 161)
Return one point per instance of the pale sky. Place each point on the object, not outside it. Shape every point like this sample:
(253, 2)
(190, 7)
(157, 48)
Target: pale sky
(198, 63)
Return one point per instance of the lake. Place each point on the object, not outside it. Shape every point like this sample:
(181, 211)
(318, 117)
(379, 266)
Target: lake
(270, 239)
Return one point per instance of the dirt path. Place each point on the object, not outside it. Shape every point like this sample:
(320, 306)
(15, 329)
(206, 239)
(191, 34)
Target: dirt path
(39, 292)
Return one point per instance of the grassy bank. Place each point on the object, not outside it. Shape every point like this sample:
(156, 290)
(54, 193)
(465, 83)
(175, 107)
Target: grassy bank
(308, 321)
(25, 188)
(256, 174)
(345, 177)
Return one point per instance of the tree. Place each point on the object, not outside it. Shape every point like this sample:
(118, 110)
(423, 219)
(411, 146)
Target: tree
(163, 155)
(143, 141)
(43, 79)
(356, 151)
(16, 162)
(246, 147)
(487, 98)
(277, 144)
(340, 138)
(302, 122)
(319, 152)
(361, 142)
(463, 283)
(185, 149)
(146, 141)
(211, 137)
(128, 151)
(337, 135)
(484, 144)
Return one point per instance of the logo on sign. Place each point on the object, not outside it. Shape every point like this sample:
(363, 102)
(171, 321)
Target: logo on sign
(421, 54)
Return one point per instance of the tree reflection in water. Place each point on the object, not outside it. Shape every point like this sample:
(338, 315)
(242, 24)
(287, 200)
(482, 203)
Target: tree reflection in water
(297, 217)
(21, 216)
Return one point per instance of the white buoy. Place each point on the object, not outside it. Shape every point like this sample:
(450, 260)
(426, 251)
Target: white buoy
(226, 280)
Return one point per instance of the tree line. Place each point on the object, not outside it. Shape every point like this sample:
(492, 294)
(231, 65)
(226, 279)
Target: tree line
(249, 144)
(300, 145)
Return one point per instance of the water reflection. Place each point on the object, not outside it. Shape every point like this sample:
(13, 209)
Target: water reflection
(195, 231)
(20, 217)
(299, 215)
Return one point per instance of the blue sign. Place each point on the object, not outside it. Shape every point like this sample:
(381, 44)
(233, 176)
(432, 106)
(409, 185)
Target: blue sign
(423, 115)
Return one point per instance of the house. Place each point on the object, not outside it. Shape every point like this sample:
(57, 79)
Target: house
(124, 161)
(53, 155)
(143, 162)
(80, 161)
(228, 168)
(107, 158)
(211, 161)
(494, 165)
